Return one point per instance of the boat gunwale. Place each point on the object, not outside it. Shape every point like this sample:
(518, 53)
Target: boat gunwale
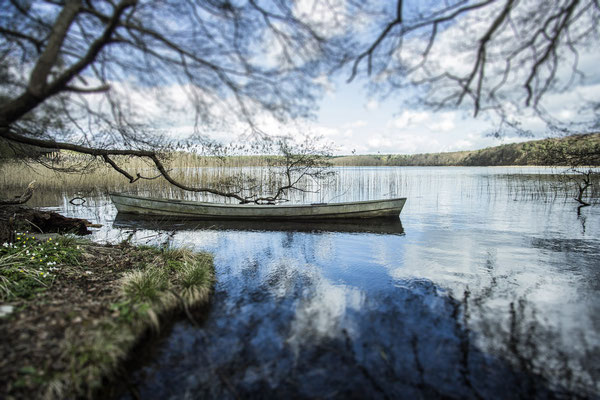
(251, 205)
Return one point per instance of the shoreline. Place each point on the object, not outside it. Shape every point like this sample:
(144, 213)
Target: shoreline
(74, 310)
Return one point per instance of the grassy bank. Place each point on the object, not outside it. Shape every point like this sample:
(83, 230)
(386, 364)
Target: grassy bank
(74, 310)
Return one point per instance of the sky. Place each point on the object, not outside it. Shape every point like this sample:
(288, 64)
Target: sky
(356, 122)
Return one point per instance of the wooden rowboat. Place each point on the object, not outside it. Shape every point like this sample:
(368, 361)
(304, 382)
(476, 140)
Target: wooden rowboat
(130, 204)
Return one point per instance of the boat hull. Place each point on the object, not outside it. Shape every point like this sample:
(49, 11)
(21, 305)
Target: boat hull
(129, 204)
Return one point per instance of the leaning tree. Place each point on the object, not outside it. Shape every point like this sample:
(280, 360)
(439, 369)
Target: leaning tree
(100, 77)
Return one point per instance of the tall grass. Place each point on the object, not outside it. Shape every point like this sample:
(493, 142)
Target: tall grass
(91, 176)
(558, 185)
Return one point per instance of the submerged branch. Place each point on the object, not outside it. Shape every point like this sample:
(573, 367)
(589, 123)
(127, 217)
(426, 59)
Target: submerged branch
(24, 198)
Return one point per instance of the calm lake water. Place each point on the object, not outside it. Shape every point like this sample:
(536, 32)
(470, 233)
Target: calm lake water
(487, 287)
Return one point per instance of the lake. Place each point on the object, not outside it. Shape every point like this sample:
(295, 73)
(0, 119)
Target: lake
(487, 287)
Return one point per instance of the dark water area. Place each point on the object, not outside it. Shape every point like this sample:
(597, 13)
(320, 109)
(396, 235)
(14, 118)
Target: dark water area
(486, 287)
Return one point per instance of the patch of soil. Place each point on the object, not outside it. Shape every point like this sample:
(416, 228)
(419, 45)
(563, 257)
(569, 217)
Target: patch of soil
(17, 218)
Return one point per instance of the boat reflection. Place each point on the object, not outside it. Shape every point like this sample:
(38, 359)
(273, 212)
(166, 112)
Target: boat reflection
(384, 226)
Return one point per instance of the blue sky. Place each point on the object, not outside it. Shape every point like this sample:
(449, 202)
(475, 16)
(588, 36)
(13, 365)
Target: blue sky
(353, 120)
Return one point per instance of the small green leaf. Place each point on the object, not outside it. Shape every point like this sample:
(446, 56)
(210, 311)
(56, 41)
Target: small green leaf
(28, 369)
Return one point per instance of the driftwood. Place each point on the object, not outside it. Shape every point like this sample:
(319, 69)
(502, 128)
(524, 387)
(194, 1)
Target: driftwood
(24, 198)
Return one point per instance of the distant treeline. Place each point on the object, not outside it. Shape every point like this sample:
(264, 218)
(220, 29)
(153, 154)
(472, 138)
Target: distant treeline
(538, 152)
(526, 153)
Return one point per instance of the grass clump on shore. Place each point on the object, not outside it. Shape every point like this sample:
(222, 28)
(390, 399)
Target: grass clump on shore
(72, 329)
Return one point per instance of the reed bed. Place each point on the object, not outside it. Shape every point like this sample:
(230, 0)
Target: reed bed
(251, 174)
(554, 186)
(84, 173)
(82, 176)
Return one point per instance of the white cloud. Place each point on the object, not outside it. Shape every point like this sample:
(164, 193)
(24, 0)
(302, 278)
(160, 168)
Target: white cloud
(444, 122)
(372, 105)
(378, 142)
(326, 17)
(326, 84)
(355, 124)
(410, 118)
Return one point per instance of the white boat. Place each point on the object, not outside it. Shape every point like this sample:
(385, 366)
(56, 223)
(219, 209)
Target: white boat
(130, 204)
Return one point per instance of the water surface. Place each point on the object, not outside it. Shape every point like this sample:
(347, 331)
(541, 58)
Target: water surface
(487, 287)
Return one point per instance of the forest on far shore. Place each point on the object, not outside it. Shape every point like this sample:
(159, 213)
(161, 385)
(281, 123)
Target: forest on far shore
(534, 152)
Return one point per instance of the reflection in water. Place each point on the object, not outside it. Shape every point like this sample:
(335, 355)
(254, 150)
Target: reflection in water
(282, 325)
(374, 225)
(323, 340)
(478, 293)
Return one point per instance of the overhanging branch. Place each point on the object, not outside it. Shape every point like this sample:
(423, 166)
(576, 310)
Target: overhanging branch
(106, 153)
(24, 198)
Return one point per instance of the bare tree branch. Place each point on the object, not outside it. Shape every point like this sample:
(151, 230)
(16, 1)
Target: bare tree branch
(512, 53)
(76, 69)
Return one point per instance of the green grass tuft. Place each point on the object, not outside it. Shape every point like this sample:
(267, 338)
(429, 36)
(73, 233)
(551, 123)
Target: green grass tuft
(145, 285)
